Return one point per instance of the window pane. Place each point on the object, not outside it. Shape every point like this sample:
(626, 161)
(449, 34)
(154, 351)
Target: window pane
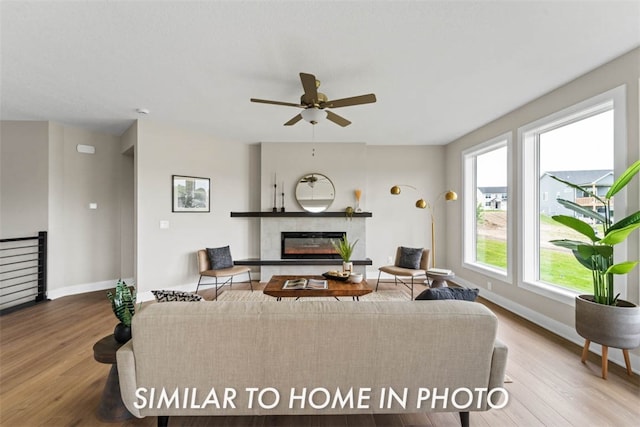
(491, 208)
(580, 152)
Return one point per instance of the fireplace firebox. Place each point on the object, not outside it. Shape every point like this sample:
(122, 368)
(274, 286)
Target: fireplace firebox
(309, 244)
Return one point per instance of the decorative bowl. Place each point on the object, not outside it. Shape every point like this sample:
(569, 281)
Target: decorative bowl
(355, 278)
(336, 275)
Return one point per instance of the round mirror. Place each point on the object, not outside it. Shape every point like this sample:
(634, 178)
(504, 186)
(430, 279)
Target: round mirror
(315, 192)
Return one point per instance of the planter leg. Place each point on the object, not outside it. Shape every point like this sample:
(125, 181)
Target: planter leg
(585, 351)
(627, 362)
(605, 361)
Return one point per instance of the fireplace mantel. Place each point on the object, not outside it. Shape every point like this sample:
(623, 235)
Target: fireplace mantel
(300, 214)
(299, 262)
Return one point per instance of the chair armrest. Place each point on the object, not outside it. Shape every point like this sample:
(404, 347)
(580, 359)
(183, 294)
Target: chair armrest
(498, 365)
(127, 377)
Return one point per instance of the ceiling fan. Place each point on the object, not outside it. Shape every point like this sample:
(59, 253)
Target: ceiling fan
(314, 103)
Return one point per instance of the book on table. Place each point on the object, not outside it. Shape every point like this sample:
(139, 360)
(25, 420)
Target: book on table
(442, 271)
(303, 283)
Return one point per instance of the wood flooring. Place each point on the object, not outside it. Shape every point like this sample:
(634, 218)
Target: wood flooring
(48, 377)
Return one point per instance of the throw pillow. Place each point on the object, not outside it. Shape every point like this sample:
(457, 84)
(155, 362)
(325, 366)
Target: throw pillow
(166, 296)
(410, 258)
(466, 294)
(220, 258)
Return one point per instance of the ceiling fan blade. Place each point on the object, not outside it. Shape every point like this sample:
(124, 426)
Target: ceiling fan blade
(310, 96)
(294, 120)
(354, 100)
(286, 104)
(337, 119)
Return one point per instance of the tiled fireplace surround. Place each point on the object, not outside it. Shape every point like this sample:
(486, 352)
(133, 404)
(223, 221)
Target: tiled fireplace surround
(284, 164)
(270, 229)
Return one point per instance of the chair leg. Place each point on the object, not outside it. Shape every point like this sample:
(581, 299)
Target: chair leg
(627, 362)
(250, 281)
(412, 288)
(464, 419)
(585, 351)
(199, 280)
(379, 273)
(216, 298)
(605, 361)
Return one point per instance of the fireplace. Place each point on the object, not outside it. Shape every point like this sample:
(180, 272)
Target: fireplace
(309, 244)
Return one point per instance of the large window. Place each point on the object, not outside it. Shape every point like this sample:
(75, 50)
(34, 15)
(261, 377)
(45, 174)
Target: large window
(487, 206)
(576, 145)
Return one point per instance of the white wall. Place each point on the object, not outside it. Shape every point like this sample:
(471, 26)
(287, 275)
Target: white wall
(48, 185)
(166, 258)
(555, 315)
(24, 178)
(396, 221)
(241, 180)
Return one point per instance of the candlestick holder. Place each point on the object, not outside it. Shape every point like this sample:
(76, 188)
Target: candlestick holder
(275, 191)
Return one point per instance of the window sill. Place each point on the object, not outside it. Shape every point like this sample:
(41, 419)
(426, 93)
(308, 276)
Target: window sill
(555, 293)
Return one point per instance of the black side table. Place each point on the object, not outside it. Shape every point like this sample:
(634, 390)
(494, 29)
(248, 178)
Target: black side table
(111, 408)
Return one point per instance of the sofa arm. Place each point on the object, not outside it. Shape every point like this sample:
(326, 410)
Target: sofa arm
(498, 365)
(127, 376)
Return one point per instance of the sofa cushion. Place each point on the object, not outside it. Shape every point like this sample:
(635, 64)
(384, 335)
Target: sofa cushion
(219, 258)
(166, 296)
(466, 294)
(410, 258)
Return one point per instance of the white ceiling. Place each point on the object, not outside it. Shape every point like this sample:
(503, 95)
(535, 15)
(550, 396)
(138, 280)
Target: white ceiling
(439, 69)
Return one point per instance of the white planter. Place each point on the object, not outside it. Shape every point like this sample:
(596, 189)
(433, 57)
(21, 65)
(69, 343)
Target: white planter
(347, 266)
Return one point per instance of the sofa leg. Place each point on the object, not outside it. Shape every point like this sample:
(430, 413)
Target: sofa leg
(464, 419)
(163, 421)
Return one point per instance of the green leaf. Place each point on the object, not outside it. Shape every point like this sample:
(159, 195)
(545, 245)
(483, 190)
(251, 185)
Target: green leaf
(617, 236)
(604, 250)
(634, 218)
(566, 243)
(577, 187)
(585, 262)
(621, 268)
(582, 210)
(577, 225)
(623, 179)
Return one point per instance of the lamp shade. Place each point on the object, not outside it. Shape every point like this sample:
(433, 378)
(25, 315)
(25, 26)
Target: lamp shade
(450, 195)
(313, 115)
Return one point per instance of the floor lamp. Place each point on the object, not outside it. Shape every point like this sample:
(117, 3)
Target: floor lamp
(423, 204)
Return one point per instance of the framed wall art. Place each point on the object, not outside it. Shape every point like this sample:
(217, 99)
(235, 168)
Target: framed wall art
(189, 194)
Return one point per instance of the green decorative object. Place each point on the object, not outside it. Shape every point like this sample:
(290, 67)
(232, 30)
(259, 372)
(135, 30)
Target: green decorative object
(349, 212)
(123, 302)
(596, 254)
(344, 248)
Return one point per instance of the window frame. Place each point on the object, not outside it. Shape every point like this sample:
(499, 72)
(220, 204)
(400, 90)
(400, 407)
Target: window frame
(529, 187)
(469, 230)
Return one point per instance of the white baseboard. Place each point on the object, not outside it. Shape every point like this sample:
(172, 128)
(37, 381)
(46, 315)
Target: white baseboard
(567, 332)
(84, 287)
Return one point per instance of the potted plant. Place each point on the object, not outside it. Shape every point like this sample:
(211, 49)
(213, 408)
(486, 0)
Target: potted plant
(345, 250)
(123, 306)
(603, 317)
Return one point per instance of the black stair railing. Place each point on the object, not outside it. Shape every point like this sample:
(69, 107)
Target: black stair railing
(23, 272)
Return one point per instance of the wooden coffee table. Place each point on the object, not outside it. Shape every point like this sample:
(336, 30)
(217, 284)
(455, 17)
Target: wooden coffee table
(335, 288)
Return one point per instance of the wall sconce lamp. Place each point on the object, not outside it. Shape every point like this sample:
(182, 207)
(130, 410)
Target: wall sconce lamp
(448, 195)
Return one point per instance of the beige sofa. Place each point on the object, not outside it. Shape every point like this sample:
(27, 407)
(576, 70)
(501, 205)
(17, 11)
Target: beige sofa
(312, 357)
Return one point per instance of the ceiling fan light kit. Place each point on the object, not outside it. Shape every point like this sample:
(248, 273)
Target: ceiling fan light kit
(314, 103)
(314, 115)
